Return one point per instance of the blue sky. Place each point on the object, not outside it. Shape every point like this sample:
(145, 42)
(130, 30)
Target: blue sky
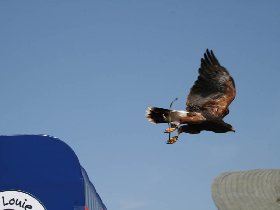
(85, 71)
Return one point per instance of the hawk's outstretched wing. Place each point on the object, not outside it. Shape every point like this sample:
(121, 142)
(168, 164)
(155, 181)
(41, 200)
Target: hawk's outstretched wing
(213, 91)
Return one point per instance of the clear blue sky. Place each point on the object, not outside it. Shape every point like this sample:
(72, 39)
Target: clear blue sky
(85, 71)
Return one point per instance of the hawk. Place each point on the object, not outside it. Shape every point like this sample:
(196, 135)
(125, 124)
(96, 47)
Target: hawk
(207, 103)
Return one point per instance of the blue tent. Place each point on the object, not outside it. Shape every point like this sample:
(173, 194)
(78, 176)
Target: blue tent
(46, 169)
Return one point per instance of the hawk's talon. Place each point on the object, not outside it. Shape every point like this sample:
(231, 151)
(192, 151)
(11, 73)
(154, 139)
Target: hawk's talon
(169, 130)
(172, 140)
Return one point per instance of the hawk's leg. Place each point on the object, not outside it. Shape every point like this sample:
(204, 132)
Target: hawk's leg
(171, 128)
(174, 139)
(180, 129)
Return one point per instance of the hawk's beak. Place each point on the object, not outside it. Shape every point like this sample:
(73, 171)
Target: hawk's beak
(233, 130)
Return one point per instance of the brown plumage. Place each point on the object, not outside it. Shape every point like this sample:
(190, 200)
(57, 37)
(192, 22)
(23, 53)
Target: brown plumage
(207, 103)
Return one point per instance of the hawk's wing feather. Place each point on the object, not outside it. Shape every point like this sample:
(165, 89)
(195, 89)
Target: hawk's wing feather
(213, 90)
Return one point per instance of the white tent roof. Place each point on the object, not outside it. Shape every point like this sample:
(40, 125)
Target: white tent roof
(247, 190)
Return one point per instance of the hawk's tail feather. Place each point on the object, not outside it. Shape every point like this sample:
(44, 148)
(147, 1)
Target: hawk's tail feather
(157, 115)
(161, 115)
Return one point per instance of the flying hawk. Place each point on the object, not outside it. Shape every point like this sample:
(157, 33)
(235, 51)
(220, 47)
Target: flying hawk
(207, 103)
